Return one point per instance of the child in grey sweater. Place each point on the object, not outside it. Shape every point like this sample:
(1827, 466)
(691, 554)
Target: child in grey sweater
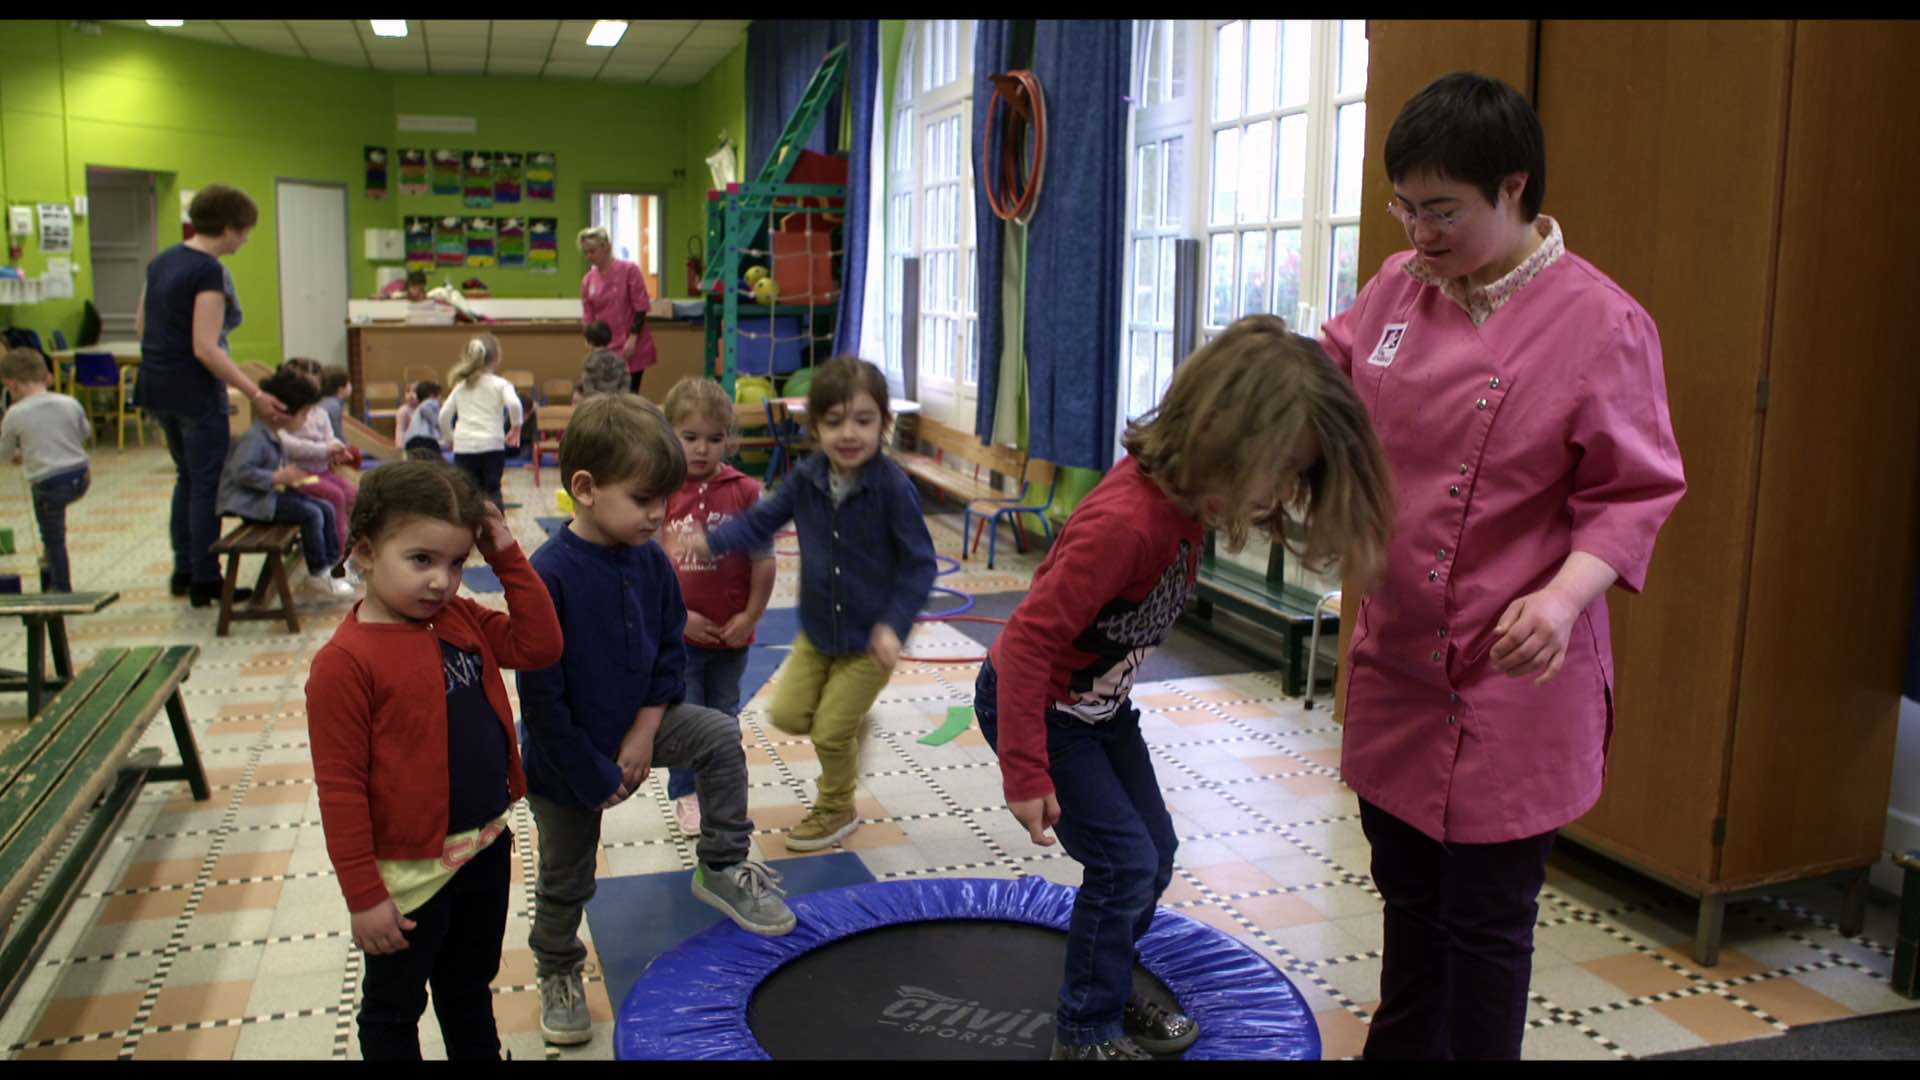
(48, 433)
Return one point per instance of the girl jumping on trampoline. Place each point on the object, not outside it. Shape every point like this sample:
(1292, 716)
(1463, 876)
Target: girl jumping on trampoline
(1256, 424)
(866, 567)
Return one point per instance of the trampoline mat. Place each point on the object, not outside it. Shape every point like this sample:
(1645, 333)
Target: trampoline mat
(974, 989)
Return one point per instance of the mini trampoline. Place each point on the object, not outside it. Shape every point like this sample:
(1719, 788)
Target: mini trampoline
(938, 969)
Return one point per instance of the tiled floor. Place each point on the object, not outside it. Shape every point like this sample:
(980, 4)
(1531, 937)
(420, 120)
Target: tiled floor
(215, 930)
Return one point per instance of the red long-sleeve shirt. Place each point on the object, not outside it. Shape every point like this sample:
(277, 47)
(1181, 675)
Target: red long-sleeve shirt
(377, 722)
(1116, 580)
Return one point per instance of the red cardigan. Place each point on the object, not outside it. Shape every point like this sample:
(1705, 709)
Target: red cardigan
(377, 722)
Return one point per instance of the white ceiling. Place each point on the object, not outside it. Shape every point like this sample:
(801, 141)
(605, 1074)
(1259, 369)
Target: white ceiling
(653, 52)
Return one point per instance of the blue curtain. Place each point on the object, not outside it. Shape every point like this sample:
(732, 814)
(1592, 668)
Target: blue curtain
(782, 55)
(863, 77)
(1076, 242)
(992, 55)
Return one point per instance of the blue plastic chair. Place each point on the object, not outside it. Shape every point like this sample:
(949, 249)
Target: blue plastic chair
(96, 371)
(1038, 472)
(59, 341)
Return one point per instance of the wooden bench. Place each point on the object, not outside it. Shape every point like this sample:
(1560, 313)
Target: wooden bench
(45, 615)
(960, 468)
(77, 752)
(277, 542)
(1268, 600)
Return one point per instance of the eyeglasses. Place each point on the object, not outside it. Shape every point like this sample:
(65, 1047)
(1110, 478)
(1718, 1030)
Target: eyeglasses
(1433, 219)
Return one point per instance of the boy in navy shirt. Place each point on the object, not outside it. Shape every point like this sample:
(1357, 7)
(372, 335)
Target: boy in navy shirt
(595, 724)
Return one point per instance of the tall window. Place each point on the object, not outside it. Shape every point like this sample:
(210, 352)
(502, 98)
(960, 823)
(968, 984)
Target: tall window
(1158, 212)
(930, 215)
(632, 220)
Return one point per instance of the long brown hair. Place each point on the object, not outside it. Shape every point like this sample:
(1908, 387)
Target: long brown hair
(1257, 399)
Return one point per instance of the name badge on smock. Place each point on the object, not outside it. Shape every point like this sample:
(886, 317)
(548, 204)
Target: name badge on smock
(1390, 339)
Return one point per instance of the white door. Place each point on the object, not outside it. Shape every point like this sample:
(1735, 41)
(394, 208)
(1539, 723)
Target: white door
(311, 223)
(121, 242)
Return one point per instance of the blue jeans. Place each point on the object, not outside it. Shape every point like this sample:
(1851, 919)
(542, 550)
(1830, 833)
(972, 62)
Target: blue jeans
(319, 537)
(713, 680)
(198, 443)
(51, 497)
(1115, 824)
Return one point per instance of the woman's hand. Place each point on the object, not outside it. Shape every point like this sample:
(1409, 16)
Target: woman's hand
(380, 929)
(1532, 635)
(268, 407)
(493, 535)
(885, 647)
(1036, 816)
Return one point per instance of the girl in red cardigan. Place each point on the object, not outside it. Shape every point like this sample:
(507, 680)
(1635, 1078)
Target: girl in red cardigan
(415, 774)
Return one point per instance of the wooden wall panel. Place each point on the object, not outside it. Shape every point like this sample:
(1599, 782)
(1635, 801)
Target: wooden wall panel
(1834, 539)
(1402, 57)
(1664, 144)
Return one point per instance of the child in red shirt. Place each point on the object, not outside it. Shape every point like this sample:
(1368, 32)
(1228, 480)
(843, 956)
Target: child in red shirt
(726, 597)
(415, 775)
(1255, 424)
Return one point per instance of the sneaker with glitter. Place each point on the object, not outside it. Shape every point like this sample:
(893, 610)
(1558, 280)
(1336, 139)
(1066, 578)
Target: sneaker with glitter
(750, 894)
(1120, 1049)
(1159, 1030)
(563, 1009)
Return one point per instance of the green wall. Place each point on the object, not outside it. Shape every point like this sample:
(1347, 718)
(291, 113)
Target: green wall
(196, 113)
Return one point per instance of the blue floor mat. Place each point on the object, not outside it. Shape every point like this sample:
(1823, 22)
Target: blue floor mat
(552, 524)
(483, 579)
(635, 919)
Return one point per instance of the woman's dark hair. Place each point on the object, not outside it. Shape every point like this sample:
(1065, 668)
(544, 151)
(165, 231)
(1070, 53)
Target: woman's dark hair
(837, 381)
(295, 390)
(217, 208)
(332, 380)
(308, 367)
(426, 487)
(599, 334)
(426, 388)
(1474, 129)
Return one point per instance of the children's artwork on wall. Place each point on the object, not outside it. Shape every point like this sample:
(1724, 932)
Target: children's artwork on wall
(413, 172)
(507, 169)
(543, 254)
(479, 177)
(376, 172)
(512, 244)
(446, 172)
(540, 174)
(480, 232)
(419, 230)
(450, 241)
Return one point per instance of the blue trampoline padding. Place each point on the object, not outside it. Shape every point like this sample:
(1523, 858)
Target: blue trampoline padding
(692, 1002)
(638, 917)
(482, 579)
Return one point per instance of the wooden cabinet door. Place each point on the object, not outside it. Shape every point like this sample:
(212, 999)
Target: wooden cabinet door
(1664, 144)
(1835, 527)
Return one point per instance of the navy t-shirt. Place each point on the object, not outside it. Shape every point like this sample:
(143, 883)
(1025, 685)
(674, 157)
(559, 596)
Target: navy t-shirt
(172, 379)
(476, 745)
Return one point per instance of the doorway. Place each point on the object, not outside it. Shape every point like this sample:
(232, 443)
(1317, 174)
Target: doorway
(310, 225)
(121, 242)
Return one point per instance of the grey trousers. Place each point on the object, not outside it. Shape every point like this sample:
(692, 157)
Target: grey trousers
(690, 737)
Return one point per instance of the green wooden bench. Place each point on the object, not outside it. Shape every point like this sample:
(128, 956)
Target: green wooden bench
(1267, 600)
(46, 617)
(77, 752)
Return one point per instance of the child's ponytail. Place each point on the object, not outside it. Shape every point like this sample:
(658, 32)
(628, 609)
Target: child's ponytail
(481, 350)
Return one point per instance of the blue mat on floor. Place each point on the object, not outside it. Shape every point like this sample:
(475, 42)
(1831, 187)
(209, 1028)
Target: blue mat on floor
(635, 919)
(483, 579)
(552, 524)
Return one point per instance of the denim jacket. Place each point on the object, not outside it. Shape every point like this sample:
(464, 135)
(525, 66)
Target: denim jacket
(246, 483)
(864, 562)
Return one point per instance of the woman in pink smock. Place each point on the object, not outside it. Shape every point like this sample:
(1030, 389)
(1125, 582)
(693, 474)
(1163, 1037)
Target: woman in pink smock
(614, 291)
(1520, 397)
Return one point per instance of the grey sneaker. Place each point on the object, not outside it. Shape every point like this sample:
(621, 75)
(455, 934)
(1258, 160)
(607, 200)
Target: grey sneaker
(563, 1009)
(1120, 1049)
(749, 892)
(1158, 1030)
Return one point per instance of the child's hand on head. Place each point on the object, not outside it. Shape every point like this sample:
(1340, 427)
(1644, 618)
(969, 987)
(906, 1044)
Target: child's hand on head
(493, 534)
(379, 929)
(885, 647)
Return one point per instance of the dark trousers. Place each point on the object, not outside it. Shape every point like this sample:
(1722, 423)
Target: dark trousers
(1115, 824)
(198, 444)
(634, 377)
(454, 946)
(1458, 956)
(485, 469)
(713, 680)
(51, 497)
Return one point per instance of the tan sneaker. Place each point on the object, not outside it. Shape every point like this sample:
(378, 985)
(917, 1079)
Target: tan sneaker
(822, 829)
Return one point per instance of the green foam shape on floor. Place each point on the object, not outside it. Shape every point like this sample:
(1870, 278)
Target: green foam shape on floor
(959, 719)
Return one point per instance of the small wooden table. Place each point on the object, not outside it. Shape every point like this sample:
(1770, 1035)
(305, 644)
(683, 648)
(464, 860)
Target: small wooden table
(46, 617)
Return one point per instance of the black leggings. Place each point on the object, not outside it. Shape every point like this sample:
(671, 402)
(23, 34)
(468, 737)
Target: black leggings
(634, 378)
(485, 469)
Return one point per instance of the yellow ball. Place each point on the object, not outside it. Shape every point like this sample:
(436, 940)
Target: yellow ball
(766, 290)
(754, 274)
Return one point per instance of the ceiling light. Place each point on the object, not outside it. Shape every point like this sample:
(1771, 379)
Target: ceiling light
(166, 22)
(388, 27)
(606, 33)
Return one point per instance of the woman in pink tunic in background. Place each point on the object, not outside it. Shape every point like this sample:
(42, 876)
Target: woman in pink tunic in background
(614, 291)
(1520, 397)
